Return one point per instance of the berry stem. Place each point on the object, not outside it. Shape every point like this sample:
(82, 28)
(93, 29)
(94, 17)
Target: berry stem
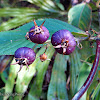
(20, 68)
(89, 80)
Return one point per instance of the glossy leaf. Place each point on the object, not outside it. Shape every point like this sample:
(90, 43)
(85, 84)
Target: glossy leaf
(10, 41)
(57, 88)
(74, 70)
(36, 87)
(80, 16)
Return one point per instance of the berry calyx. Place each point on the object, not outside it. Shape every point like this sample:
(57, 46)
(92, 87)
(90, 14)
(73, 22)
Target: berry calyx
(43, 57)
(37, 29)
(38, 34)
(24, 56)
(63, 41)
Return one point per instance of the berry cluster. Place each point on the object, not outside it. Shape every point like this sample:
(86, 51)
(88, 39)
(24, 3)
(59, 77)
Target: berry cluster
(63, 42)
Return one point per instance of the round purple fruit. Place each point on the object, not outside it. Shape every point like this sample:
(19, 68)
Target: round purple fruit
(24, 56)
(38, 34)
(63, 41)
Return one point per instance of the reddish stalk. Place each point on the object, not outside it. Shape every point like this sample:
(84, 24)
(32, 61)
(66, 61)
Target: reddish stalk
(89, 80)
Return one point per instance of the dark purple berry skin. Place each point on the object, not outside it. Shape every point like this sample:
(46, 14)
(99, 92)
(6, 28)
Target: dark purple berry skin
(40, 37)
(25, 56)
(63, 41)
(38, 34)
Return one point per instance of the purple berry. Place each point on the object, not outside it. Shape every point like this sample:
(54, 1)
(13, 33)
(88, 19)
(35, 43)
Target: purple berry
(38, 34)
(63, 41)
(24, 56)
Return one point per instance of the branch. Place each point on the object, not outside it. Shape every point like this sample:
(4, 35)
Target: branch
(89, 80)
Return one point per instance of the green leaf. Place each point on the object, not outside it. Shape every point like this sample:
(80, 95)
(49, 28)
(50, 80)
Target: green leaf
(93, 6)
(88, 50)
(80, 16)
(57, 88)
(96, 91)
(98, 96)
(11, 79)
(84, 72)
(45, 5)
(2, 90)
(74, 70)
(36, 87)
(10, 41)
(95, 22)
(15, 22)
(16, 12)
(23, 79)
(92, 86)
(4, 76)
(24, 15)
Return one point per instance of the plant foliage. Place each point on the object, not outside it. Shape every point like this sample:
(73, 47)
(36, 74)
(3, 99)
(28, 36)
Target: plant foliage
(67, 73)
